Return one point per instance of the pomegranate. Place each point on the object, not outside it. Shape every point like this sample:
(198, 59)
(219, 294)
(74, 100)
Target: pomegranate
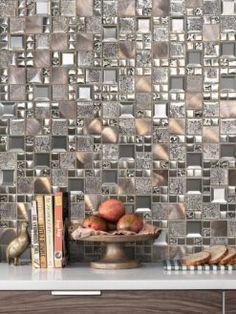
(130, 222)
(111, 210)
(95, 222)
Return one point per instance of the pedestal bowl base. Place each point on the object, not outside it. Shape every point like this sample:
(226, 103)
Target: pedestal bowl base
(114, 258)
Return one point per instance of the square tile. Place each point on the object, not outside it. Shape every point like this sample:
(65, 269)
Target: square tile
(228, 49)
(67, 58)
(194, 57)
(110, 33)
(177, 25)
(42, 7)
(17, 42)
(110, 76)
(33, 25)
(127, 99)
(126, 7)
(84, 92)
(59, 143)
(84, 7)
(177, 83)
(59, 42)
(143, 25)
(16, 143)
(41, 92)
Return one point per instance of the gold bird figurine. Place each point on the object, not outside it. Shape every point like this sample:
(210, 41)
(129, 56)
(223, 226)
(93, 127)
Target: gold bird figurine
(18, 245)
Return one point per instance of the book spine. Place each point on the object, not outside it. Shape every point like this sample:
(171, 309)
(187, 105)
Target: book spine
(34, 236)
(65, 247)
(48, 203)
(58, 229)
(41, 231)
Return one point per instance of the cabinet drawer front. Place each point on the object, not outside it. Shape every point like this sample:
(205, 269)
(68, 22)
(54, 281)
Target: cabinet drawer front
(230, 302)
(115, 302)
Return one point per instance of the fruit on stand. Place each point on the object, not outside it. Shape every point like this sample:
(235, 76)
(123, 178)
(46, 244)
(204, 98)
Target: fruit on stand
(95, 222)
(111, 210)
(111, 226)
(130, 222)
(111, 216)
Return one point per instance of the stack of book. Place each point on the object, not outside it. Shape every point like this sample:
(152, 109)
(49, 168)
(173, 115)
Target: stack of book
(48, 230)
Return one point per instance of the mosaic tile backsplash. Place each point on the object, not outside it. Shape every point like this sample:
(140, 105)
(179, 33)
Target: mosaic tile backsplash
(134, 99)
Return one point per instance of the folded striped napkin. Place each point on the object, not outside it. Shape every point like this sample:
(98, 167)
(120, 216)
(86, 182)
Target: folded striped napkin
(176, 265)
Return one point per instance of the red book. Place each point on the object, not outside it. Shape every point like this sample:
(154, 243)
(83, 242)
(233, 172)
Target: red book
(58, 229)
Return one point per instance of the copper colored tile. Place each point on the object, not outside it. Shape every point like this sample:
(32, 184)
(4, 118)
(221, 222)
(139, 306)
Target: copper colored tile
(228, 108)
(59, 75)
(143, 126)
(59, 41)
(126, 186)
(85, 160)
(177, 126)
(210, 134)
(176, 211)
(160, 7)
(85, 41)
(160, 152)
(33, 24)
(126, 7)
(67, 109)
(16, 75)
(84, 7)
(41, 58)
(42, 185)
(143, 84)
(159, 178)
(110, 135)
(194, 100)
(94, 126)
(160, 50)
(33, 127)
(92, 201)
(126, 49)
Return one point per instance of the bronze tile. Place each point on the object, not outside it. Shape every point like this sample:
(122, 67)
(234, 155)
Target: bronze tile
(42, 185)
(109, 135)
(126, 7)
(210, 134)
(59, 41)
(160, 152)
(84, 7)
(143, 126)
(143, 84)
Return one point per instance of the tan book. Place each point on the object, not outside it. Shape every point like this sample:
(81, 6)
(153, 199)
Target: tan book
(48, 205)
(41, 231)
(34, 236)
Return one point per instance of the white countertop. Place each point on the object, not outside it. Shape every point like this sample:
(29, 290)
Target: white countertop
(81, 277)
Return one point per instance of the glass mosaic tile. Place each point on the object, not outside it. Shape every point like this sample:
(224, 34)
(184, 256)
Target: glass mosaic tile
(127, 99)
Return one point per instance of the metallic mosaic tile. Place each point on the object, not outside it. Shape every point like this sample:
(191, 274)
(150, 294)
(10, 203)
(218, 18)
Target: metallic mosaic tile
(121, 98)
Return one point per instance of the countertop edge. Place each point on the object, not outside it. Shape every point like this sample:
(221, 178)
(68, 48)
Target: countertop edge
(82, 277)
(123, 285)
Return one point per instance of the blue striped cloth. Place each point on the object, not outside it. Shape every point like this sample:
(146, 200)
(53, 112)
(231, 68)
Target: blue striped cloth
(176, 265)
